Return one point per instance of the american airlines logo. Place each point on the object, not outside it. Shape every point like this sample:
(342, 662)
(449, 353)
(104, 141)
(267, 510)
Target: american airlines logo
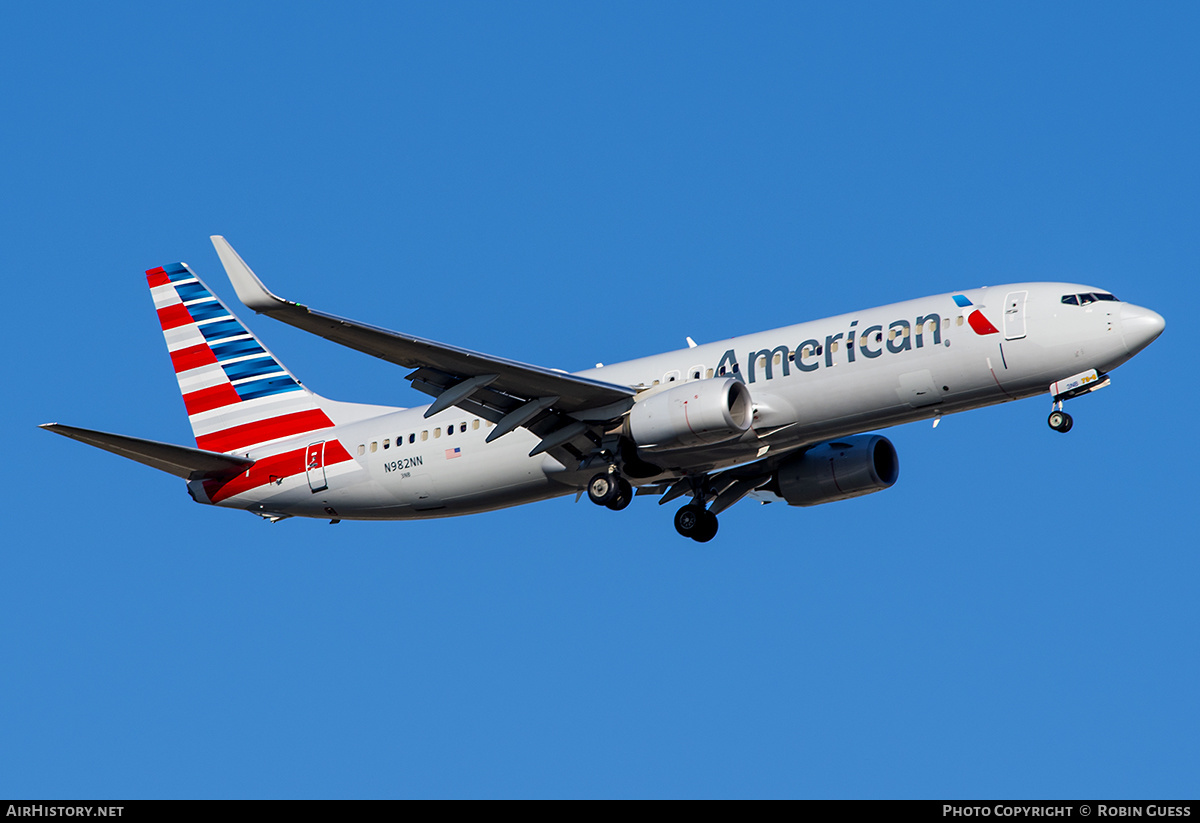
(978, 322)
(870, 342)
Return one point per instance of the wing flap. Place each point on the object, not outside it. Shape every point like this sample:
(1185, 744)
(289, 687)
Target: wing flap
(181, 461)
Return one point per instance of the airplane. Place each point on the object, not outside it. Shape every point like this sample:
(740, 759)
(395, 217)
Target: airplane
(780, 415)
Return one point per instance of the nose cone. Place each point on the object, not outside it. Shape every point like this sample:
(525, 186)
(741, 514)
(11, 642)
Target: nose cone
(1140, 327)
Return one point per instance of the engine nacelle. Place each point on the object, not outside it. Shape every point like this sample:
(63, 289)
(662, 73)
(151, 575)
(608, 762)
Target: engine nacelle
(838, 470)
(697, 413)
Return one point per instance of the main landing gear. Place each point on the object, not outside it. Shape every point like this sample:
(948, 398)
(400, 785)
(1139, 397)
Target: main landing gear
(611, 490)
(696, 522)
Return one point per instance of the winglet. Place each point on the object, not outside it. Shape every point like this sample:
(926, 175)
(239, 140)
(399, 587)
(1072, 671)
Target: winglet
(249, 288)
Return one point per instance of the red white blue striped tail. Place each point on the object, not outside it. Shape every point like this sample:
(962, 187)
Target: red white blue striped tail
(238, 396)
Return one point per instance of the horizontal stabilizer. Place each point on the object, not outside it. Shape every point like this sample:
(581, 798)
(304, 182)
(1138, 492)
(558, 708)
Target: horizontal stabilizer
(181, 461)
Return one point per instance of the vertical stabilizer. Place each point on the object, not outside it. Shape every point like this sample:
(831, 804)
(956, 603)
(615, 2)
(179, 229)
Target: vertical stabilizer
(238, 395)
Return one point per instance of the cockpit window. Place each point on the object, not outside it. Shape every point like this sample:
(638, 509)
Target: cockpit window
(1085, 299)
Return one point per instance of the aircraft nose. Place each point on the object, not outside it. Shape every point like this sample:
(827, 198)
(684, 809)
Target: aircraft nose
(1140, 327)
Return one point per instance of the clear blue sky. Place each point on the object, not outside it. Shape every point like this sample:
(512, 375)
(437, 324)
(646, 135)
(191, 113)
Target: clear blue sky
(565, 184)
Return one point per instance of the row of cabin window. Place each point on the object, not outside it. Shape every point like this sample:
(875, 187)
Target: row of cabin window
(412, 436)
(931, 327)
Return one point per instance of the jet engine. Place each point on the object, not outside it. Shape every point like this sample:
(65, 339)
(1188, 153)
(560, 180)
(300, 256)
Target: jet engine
(697, 413)
(838, 470)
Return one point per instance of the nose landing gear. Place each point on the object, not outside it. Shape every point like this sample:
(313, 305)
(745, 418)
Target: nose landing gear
(1080, 384)
(1060, 421)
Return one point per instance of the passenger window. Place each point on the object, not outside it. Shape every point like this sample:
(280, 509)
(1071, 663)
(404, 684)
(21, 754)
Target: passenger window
(958, 322)
(833, 347)
(374, 446)
(412, 438)
(387, 444)
(437, 432)
(695, 375)
(778, 358)
(425, 435)
(361, 449)
(450, 430)
(462, 427)
(475, 424)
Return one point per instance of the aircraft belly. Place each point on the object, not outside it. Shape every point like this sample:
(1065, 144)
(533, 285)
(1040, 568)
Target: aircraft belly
(469, 478)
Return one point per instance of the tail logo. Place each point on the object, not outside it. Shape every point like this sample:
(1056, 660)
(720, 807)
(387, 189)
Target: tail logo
(236, 393)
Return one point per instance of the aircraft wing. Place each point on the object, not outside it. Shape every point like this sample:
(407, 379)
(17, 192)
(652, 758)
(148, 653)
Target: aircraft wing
(181, 461)
(554, 405)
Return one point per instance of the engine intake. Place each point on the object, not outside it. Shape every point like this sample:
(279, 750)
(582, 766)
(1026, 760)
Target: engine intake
(838, 470)
(697, 413)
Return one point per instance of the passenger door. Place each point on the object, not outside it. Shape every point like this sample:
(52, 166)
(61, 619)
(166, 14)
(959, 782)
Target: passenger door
(1014, 315)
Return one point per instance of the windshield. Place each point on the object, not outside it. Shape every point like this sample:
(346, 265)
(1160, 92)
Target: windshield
(1090, 297)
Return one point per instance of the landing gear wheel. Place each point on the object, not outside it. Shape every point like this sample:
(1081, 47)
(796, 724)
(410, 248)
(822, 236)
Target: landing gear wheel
(604, 488)
(687, 520)
(708, 527)
(696, 522)
(624, 495)
(1060, 421)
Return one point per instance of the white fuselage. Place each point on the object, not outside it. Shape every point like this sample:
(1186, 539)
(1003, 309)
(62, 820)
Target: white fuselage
(809, 382)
